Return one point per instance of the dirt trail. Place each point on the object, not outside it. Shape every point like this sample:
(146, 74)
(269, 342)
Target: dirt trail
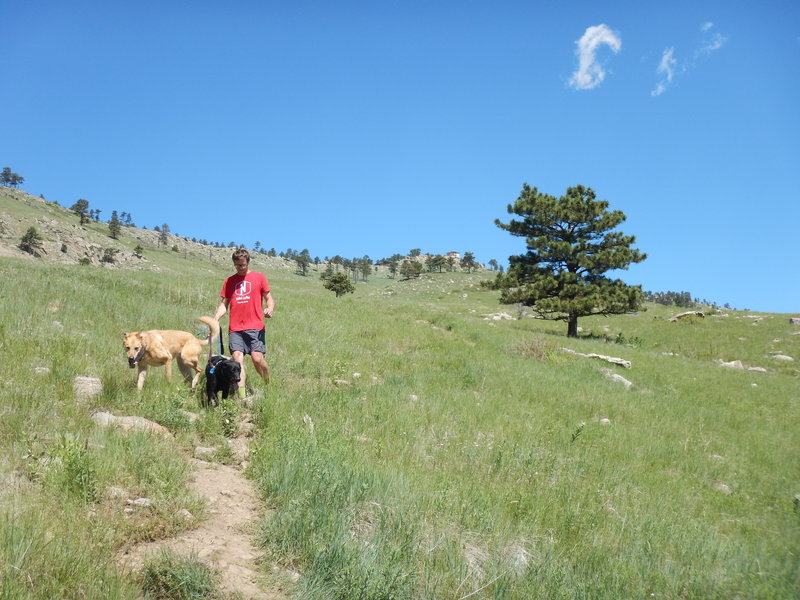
(224, 540)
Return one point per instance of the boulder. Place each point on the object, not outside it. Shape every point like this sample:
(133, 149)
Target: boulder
(612, 359)
(86, 387)
(688, 313)
(106, 419)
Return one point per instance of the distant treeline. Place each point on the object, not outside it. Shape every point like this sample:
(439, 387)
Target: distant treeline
(682, 299)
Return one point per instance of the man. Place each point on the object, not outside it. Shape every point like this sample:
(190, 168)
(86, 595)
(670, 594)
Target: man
(247, 296)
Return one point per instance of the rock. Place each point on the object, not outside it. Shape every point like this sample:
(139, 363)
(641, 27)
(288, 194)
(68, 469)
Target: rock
(114, 491)
(794, 320)
(688, 313)
(86, 387)
(139, 502)
(106, 419)
(612, 359)
(204, 452)
(190, 416)
(734, 364)
(605, 421)
(41, 370)
(724, 488)
(309, 422)
(618, 378)
(782, 357)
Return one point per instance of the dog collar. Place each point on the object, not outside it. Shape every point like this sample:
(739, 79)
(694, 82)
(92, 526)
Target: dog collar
(139, 356)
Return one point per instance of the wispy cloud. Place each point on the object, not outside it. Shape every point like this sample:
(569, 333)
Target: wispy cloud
(710, 44)
(666, 69)
(668, 65)
(714, 43)
(590, 73)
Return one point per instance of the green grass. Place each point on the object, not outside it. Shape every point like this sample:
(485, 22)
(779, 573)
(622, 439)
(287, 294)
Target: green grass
(409, 447)
(169, 576)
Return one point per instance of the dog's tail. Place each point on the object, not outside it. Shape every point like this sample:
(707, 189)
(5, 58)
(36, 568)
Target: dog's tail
(213, 326)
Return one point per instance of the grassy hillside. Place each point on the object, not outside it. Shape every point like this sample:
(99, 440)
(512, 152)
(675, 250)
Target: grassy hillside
(411, 447)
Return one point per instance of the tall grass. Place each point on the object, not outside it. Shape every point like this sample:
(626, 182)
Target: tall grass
(412, 449)
(460, 464)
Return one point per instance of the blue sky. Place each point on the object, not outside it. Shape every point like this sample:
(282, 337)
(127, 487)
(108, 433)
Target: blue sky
(373, 128)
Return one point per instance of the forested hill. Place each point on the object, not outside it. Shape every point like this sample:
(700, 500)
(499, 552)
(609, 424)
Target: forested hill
(63, 239)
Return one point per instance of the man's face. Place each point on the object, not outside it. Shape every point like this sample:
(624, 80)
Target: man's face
(241, 266)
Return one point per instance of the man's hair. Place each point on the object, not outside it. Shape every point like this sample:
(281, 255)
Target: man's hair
(241, 253)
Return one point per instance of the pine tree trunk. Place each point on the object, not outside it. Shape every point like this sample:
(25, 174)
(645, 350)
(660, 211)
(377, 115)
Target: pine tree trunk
(572, 326)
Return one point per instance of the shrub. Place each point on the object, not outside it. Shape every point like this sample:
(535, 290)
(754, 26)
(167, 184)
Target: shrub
(168, 576)
(31, 242)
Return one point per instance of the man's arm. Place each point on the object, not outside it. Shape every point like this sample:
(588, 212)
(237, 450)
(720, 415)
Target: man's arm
(270, 308)
(221, 309)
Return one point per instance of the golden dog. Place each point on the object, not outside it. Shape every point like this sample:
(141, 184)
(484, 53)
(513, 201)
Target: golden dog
(157, 347)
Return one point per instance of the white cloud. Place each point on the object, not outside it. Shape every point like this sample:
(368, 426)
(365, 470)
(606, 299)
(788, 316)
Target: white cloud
(666, 69)
(590, 73)
(715, 43)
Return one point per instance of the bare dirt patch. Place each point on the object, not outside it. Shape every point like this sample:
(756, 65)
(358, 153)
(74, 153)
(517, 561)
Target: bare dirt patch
(224, 541)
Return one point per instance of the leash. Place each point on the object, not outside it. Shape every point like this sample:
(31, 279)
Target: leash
(221, 344)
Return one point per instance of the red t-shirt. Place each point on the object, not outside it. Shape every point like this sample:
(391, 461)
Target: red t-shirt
(244, 300)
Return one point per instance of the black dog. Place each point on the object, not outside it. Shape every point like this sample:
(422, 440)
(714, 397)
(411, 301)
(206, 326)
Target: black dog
(222, 374)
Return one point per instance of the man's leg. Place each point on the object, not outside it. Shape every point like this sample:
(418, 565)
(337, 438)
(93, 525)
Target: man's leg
(260, 364)
(238, 356)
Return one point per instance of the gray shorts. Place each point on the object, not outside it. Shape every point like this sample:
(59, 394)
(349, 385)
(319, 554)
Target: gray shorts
(247, 341)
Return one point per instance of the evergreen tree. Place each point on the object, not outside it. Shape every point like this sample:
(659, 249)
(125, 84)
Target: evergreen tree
(365, 266)
(410, 269)
(114, 225)
(81, 208)
(435, 262)
(571, 246)
(340, 284)
(468, 262)
(163, 236)
(327, 273)
(7, 177)
(109, 255)
(303, 261)
(31, 242)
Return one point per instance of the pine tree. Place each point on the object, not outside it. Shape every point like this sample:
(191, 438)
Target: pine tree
(81, 208)
(340, 284)
(571, 245)
(114, 225)
(468, 262)
(31, 242)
